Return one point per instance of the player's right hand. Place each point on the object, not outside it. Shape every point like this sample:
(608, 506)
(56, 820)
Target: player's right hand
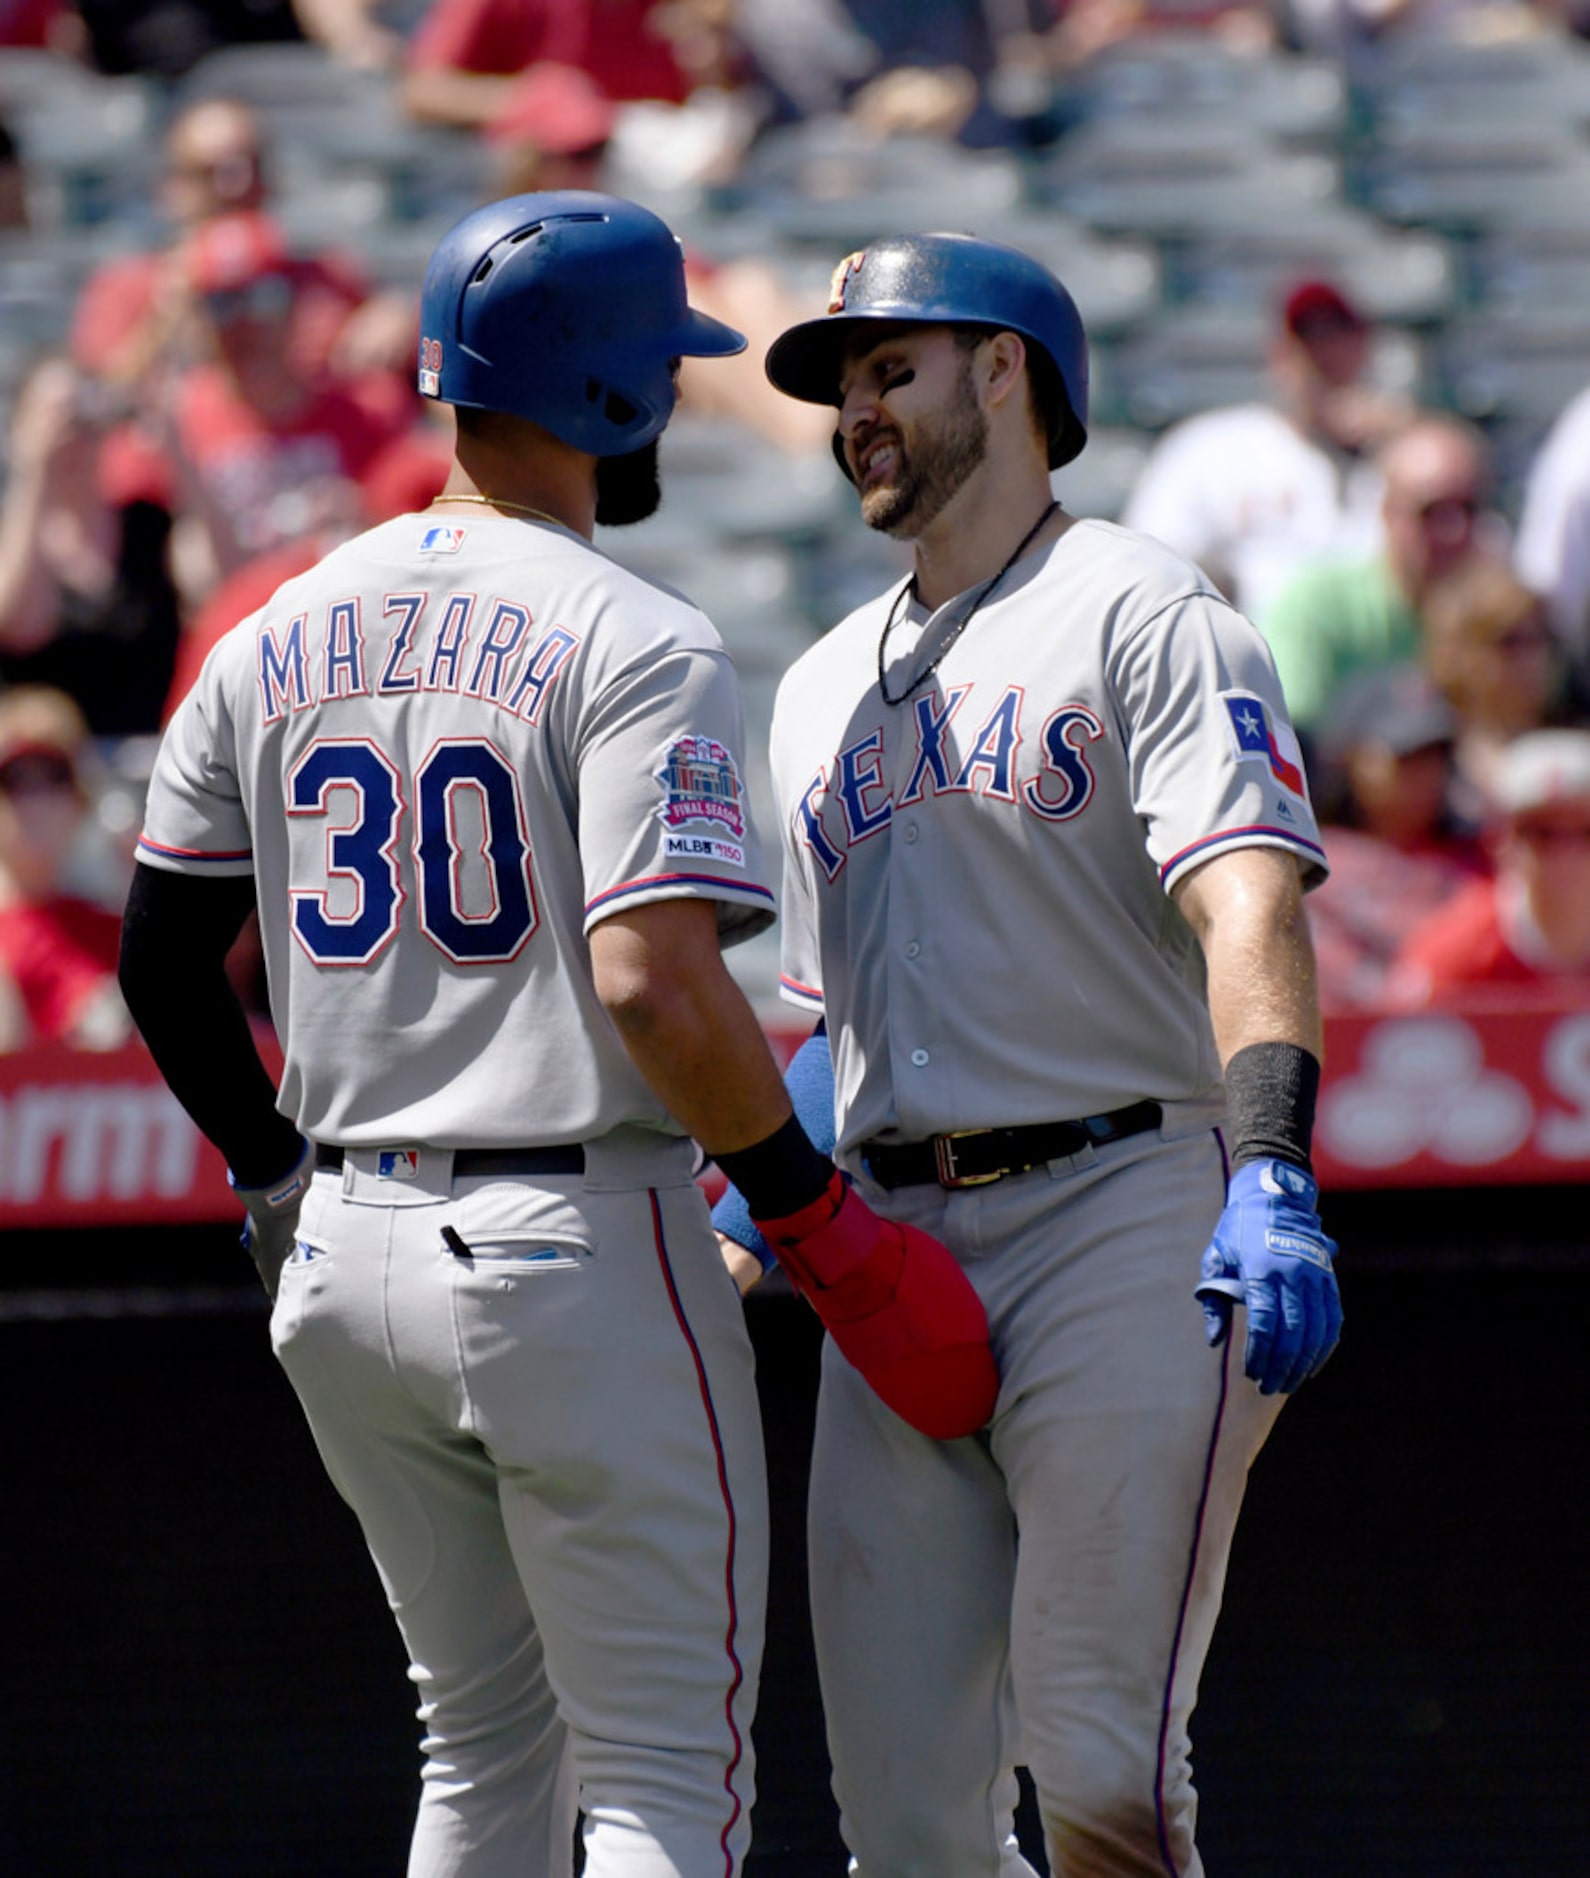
(743, 1266)
(270, 1228)
(899, 1307)
(1271, 1254)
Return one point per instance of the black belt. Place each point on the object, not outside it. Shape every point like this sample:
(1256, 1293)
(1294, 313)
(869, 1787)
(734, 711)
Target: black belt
(504, 1163)
(974, 1156)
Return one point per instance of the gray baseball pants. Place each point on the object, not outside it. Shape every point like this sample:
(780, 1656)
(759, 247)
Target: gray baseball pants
(553, 1445)
(1044, 1594)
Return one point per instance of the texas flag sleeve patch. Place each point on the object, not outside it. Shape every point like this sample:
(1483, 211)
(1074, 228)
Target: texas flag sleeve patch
(1259, 738)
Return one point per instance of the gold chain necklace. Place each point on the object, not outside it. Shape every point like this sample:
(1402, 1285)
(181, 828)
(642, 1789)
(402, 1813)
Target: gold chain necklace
(960, 625)
(502, 502)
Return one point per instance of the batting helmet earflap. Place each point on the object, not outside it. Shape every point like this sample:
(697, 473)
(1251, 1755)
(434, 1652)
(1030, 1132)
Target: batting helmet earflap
(942, 280)
(568, 308)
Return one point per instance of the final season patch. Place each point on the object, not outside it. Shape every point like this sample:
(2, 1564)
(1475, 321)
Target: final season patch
(701, 784)
(1256, 735)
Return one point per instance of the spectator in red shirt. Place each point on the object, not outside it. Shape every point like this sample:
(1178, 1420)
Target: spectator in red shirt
(57, 951)
(1529, 927)
(135, 309)
(462, 61)
(262, 452)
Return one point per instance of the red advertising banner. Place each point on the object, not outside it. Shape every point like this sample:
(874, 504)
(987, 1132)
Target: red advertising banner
(1488, 1095)
(1483, 1096)
(90, 1138)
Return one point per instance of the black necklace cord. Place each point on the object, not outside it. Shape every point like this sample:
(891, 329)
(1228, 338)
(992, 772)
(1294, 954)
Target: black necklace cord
(961, 624)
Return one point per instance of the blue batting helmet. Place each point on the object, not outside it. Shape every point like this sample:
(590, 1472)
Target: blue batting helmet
(568, 308)
(949, 280)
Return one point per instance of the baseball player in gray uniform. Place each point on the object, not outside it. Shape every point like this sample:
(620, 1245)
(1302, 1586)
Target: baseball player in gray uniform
(486, 789)
(1046, 836)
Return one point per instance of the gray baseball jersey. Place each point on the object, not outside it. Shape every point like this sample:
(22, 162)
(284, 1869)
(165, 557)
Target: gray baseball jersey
(452, 746)
(978, 897)
(976, 880)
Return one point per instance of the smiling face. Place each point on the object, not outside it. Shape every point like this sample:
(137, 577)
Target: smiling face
(910, 423)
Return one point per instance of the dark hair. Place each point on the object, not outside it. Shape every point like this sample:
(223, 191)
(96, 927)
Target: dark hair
(1046, 392)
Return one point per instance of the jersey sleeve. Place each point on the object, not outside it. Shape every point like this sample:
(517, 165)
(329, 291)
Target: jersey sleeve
(663, 808)
(800, 978)
(1214, 762)
(800, 968)
(194, 819)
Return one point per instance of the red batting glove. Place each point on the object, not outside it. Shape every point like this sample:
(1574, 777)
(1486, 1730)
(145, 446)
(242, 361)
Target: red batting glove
(899, 1307)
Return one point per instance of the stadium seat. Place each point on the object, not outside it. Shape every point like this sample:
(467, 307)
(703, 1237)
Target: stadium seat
(1402, 274)
(292, 75)
(1101, 479)
(1517, 364)
(825, 184)
(1197, 357)
(1468, 175)
(1443, 81)
(1538, 263)
(1180, 176)
(89, 144)
(1286, 95)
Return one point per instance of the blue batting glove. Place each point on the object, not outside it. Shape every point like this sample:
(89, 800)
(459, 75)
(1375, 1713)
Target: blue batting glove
(1271, 1254)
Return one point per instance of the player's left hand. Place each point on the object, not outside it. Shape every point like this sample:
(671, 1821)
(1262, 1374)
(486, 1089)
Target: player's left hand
(270, 1229)
(1271, 1254)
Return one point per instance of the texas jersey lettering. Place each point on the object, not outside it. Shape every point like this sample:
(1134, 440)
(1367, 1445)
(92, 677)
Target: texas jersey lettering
(1095, 770)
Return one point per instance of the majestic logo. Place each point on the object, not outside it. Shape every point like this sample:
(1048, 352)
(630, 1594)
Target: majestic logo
(441, 540)
(1255, 736)
(839, 284)
(431, 368)
(701, 784)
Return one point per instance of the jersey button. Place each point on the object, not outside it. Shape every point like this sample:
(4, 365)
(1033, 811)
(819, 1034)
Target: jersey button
(920, 1058)
(911, 831)
(912, 949)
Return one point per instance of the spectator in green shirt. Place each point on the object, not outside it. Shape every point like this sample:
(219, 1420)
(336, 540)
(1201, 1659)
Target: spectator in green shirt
(1339, 618)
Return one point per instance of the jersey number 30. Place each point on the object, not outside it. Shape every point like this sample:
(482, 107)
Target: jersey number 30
(476, 901)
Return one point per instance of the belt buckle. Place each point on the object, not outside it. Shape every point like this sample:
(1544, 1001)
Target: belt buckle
(944, 1161)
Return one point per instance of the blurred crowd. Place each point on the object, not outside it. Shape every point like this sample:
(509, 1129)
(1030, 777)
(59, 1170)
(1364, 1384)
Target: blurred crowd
(225, 401)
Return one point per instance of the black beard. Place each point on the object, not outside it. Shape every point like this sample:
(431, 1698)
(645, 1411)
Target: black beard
(943, 455)
(628, 488)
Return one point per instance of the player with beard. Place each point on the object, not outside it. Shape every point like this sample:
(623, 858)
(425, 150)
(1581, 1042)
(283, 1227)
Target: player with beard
(1046, 838)
(485, 786)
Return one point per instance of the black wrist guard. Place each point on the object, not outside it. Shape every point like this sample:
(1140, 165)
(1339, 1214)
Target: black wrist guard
(780, 1175)
(1271, 1090)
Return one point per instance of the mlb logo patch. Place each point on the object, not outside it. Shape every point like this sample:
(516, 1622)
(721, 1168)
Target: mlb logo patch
(441, 540)
(398, 1164)
(1256, 736)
